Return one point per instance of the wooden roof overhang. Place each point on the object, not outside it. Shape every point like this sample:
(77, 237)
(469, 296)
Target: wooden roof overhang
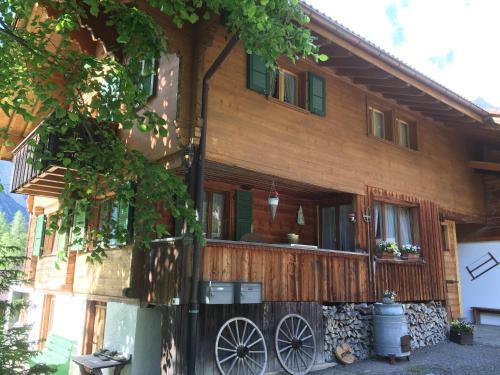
(366, 65)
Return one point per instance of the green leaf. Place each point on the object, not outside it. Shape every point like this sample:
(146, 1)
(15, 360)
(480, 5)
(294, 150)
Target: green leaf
(66, 161)
(322, 57)
(143, 127)
(73, 116)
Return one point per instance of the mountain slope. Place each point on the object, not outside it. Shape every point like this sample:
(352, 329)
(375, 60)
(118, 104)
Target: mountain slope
(10, 203)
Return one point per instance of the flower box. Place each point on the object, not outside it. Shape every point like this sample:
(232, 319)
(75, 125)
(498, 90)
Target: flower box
(386, 255)
(411, 257)
(462, 338)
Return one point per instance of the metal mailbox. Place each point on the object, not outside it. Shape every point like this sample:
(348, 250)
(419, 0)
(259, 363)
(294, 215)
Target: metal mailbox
(248, 293)
(216, 293)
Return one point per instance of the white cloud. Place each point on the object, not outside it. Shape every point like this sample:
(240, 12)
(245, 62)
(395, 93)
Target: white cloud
(432, 29)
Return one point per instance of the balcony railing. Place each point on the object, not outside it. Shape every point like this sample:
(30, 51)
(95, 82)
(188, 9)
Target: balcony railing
(36, 177)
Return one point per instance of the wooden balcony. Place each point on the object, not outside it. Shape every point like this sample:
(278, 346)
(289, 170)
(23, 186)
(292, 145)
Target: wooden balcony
(287, 273)
(47, 180)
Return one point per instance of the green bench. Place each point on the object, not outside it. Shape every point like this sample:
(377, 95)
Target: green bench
(57, 354)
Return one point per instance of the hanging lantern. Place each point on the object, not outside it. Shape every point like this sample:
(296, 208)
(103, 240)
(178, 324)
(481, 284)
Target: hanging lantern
(300, 216)
(273, 201)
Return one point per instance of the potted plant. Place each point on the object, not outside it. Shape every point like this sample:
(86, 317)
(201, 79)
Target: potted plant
(461, 332)
(410, 252)
(388, 249)
(389, 297)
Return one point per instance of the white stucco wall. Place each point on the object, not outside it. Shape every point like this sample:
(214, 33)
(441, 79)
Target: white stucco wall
(68, 320)
(484, 291)
(147, 354)
(137, 331)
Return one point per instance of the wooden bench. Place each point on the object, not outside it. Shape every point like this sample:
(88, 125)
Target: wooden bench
(476, 312)
(57, 354)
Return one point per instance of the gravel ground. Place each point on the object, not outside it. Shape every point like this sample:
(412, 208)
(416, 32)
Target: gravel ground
(441, 359)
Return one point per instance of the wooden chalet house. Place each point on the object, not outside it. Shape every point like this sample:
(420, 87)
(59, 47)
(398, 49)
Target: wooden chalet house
(360, 149)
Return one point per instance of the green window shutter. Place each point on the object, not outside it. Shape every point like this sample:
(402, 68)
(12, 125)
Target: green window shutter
(244, 203)
(39, 235)
(317, 94)
(78, 229)
(257, 74)
(123, 222)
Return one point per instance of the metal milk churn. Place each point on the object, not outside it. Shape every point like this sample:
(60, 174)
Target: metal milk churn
(390, 331)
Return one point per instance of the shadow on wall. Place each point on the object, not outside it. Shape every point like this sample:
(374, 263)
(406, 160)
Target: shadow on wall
(173, 359)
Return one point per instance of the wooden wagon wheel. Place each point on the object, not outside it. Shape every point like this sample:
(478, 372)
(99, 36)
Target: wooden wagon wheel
(295, 344)
(240, 348)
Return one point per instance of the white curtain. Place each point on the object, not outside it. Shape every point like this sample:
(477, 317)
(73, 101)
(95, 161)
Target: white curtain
(346, 228)
(377, 222)
(328, 237)
(405, 226)
(391, 223)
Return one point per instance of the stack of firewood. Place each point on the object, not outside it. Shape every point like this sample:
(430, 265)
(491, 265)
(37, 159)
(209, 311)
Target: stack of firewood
(427, 323)
(352, 324)
(348, 323)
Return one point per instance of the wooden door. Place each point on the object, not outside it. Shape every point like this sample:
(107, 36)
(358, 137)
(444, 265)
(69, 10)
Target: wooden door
(94, 327)
(450, 255)
(99, 323)
(46, 321)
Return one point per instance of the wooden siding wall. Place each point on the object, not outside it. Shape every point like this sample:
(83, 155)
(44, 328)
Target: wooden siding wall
(266, 316)
(414, 281)
(48, 277)
(286, 217)
(108, 278)
(168, 269)
(333, 151)
(289, 274)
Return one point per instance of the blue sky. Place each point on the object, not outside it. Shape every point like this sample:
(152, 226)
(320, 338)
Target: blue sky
(455, 42)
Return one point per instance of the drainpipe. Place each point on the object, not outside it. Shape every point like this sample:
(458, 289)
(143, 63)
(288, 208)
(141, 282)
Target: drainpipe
(193, 311)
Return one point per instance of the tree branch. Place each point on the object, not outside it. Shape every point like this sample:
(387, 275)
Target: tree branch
(5, 29)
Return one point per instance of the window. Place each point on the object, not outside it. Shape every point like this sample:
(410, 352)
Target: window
(148, 78)
(55, 242)
(383, 124)
(283, 85)
(407, 134)
(337, 232)
(404, 133)
(214, 217)
(380, 123)
(307, 91)
(114, 218)
(394, 223)
(78, 227)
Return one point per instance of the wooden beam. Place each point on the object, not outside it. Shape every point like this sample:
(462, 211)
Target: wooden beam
(416, 100)
(485, 165)
(434, 110)
(348, 63)
(467, 120)
(405, 91)
(380, 82)
(375, 73)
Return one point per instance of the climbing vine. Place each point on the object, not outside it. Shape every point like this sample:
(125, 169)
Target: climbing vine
(81, 97)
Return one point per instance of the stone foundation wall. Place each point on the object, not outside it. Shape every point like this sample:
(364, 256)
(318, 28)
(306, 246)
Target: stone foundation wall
(352, 323)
